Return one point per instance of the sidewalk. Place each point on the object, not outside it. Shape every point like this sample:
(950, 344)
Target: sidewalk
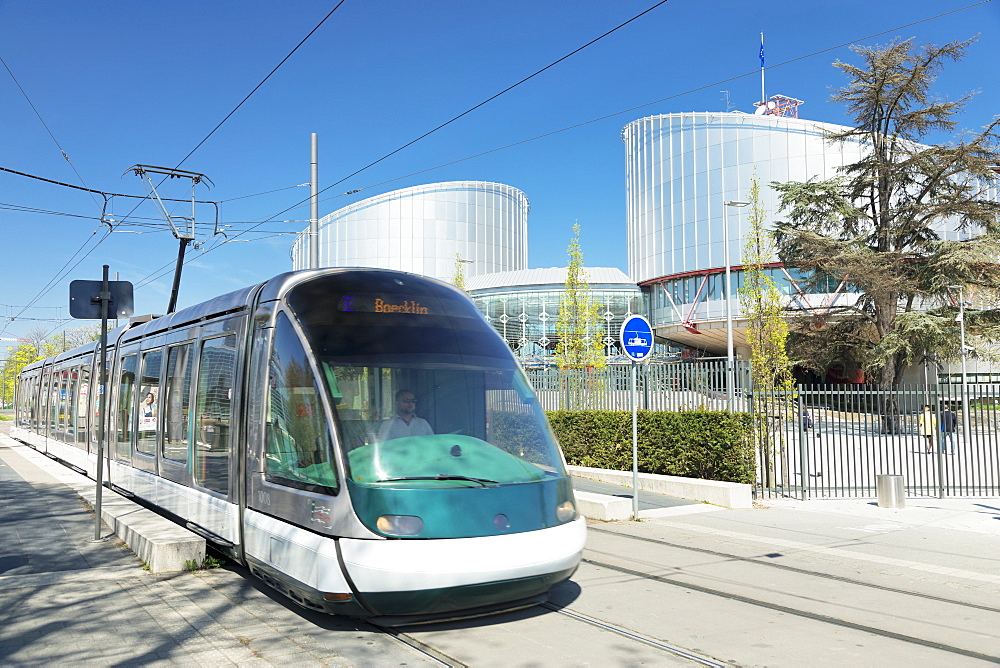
(980, 515)
(67, 601)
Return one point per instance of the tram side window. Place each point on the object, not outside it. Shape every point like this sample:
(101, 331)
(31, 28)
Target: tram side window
(52, 418)
(72, 390)
(298, 441)
(126, 392)
(59, 404)
(177, 402)
(213, 412)
(95, 402)
(37, 401)
(38, 404)
(149, 395)
(70, 380)
(81, 406)
(24, 402)
(32, 400)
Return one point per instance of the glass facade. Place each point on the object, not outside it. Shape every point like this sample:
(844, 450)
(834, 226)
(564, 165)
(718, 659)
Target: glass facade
(421, 229)
(682, 168)
(526, 315)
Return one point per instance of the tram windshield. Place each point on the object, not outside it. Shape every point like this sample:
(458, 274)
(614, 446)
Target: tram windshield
(425, 393)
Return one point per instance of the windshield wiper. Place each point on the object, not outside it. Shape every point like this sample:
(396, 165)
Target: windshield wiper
(442, 476)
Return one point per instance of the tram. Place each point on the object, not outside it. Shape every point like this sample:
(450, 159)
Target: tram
(258, 419)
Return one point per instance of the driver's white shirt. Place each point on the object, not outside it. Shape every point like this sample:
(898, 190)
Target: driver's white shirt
(396, 427)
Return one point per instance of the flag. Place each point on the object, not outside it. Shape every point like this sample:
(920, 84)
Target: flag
(762, 49)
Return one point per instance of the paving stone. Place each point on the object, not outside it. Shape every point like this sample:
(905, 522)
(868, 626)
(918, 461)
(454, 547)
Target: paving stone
(64, 601)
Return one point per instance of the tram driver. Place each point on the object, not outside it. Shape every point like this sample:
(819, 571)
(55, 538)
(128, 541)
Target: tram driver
(405, 421)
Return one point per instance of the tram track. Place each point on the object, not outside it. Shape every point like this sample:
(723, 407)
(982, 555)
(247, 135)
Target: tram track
(638, 637)
(434, 654)
(798, 612)
(419, 646)
(799, 571)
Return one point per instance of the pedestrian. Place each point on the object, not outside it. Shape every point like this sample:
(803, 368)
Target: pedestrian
(807, 421)
(949, 424)
(927, 427)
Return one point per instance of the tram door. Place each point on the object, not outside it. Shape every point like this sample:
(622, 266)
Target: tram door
(291, 466)
(123, 406)
(42, 412)
(147, 401)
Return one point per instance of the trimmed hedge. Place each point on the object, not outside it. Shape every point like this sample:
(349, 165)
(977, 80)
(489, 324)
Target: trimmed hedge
(711, 445)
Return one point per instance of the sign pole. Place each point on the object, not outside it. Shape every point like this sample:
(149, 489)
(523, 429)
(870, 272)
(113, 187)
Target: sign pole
(111, 296)
(635, 449)
(105, 299)
(636, 338)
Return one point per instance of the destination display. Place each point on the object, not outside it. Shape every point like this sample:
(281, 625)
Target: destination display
(382, 304)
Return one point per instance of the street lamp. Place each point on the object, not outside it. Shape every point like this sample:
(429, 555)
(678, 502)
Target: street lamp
(965, 378)
(730, 352)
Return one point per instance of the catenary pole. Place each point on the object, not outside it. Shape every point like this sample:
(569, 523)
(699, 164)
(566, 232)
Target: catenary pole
(314, 205)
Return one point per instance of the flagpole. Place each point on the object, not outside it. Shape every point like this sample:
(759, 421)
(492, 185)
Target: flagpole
(763, 100)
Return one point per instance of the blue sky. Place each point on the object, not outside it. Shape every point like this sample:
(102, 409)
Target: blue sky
(121, 83)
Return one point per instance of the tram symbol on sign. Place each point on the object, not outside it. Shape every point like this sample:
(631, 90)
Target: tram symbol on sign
(636, 338)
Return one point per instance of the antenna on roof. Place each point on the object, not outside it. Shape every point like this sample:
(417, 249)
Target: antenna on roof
(729, 106)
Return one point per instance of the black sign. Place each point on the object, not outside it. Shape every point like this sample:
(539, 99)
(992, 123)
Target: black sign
(85, 299)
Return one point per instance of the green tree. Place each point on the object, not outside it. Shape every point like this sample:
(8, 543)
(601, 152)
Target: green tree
(17, 358)
(38, 345)
(458, 279)
(578, 327)
(876, 228)
(762, 305)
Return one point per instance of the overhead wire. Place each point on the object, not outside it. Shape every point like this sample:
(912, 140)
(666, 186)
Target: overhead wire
(593, 120)
(59, 274)
(266, 192)
(269, 75)
(147, 279)
(647, 104)
(45, 125)
(151, 277)
(477, 106)
(158, 273)
(66, 157)
(576, 125)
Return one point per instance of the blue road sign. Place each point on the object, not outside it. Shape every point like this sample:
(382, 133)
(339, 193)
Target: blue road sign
(636, 337)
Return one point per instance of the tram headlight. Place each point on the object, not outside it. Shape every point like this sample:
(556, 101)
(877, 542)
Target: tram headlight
(565, 511)
(400, 525)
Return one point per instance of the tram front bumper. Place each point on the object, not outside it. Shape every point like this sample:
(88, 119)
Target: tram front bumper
(400, 577)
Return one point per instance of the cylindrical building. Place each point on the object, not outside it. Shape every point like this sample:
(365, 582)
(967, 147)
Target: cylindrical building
(681, 170)
(421, 229)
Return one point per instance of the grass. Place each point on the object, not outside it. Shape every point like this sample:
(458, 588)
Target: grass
(207, 563)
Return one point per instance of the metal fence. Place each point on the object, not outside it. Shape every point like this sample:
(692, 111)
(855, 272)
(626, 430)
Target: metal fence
(843, 437)
(660, 387)
(821, 441)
